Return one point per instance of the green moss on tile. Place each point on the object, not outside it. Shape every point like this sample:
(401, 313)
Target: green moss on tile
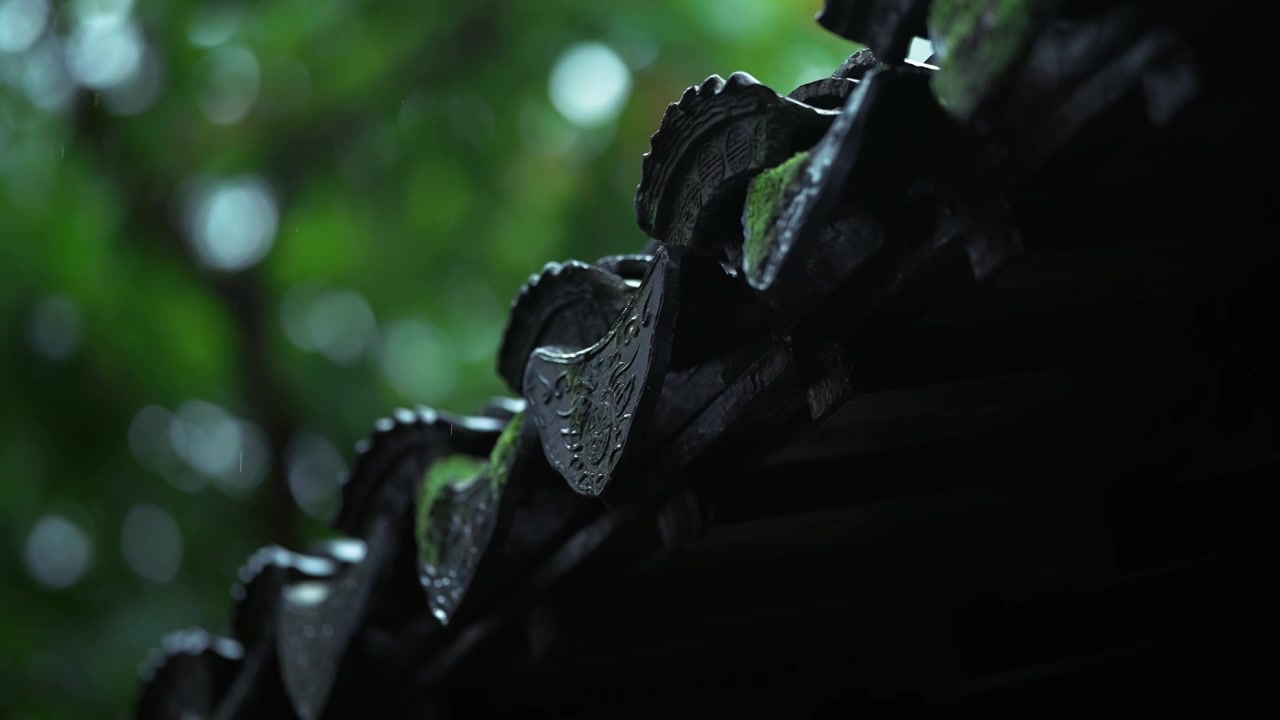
(503, 456)
(979, 44)
(765, 198)
(447, 471)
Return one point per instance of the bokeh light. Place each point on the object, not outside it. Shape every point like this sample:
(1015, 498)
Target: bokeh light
(140, 90)
(56, 327)
(337, 323)
(738, 22)
(206, 437)
(314, 466)
(149, 440)
(105, 51)
(340, 325)
(151, 543)
(589, 84)
(418, 360)
(214, 23)
(21, 23)
(219, 447)
(103, 11)
(230, 79)
(45, 78)
(234, 223)
(58, 552)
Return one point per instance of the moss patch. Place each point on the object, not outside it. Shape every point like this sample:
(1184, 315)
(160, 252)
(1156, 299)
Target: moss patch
(978, 43)
(765, 198)
(504, 453)
(460, 470)
(447, 471)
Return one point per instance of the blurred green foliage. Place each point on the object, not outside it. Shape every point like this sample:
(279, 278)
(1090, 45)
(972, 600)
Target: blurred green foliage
(415, 172)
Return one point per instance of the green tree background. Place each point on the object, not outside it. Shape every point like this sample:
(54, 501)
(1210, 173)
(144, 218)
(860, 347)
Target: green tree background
(233, 234)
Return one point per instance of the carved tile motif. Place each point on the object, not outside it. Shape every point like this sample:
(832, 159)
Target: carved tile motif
(589, 399)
